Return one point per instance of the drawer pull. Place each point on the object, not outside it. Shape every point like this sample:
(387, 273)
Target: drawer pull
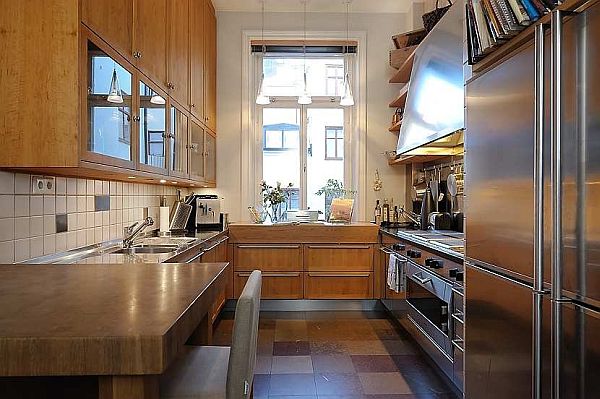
(269, 246)
(339, 275)
(458, 343)
(339, 247)
(458, 317)
(386, 250)
(199, 255)
(271, 274)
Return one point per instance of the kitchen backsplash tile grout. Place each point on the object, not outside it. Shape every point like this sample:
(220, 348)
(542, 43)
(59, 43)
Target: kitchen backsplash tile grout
(28, 221)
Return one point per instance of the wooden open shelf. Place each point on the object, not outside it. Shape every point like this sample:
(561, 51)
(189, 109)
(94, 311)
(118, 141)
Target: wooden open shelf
(403, 74)
(401, 99)
(395, 128)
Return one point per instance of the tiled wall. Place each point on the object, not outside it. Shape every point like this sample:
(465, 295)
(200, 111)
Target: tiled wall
(28, 222)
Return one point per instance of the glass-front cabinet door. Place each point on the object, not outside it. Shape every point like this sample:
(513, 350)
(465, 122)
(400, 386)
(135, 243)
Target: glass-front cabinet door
(210, 157)
(196, 147)
(178, 143)
(152, 127)
(109, 109)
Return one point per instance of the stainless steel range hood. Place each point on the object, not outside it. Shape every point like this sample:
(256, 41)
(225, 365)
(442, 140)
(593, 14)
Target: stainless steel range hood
(435, 102)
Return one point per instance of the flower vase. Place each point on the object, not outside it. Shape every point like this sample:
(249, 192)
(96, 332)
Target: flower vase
(275, 213)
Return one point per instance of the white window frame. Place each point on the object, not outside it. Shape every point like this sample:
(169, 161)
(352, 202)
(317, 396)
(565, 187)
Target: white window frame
(355, 119)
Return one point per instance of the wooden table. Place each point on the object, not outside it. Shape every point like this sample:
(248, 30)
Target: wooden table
(122, 323)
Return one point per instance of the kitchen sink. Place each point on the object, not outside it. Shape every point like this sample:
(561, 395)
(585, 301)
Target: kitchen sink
(147, 249)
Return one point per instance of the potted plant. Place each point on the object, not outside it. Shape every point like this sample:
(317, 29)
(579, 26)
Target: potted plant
(333, 189)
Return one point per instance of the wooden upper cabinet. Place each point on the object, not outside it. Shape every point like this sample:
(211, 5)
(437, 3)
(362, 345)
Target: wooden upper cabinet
(150, 39)
(210, 71)
(112, 20)
(197, 58)
(179, 49)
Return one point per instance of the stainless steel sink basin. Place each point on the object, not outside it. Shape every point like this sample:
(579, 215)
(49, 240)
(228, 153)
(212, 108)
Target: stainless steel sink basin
(154, 249)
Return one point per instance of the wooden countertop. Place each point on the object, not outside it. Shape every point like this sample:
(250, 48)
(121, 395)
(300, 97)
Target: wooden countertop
(100, 319)
(304, 233)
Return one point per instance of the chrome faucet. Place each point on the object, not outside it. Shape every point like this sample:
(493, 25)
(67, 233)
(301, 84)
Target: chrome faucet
(413, 217)
(135, 230)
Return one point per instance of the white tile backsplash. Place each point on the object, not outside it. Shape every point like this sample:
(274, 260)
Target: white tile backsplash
(28, 222)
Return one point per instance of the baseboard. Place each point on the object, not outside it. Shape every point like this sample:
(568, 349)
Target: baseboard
(306, 305)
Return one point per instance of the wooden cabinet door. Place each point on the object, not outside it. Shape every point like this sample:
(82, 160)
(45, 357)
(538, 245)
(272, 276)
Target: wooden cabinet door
(268, 257)
(210, 71)
(338, 285)
(197, 58)
(178, 143)
(352, 257)
(275, 285)
(178, 59)
(150, 39)
(210, 157)
(112, 20)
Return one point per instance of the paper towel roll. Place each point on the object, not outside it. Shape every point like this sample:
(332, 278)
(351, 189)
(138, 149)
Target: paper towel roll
(164, 219)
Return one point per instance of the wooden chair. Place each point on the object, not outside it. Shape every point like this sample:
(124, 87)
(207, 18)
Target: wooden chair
(213, 372)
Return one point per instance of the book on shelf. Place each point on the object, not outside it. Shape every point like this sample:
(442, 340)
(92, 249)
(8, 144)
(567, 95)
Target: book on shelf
(474, 52)
(481, 27)
(534, 14)
(519, 11)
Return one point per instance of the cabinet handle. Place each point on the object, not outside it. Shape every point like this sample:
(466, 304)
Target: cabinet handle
(339, 247)
(136, 118)
(171, 86)
(137, 54)
(271, 274)
(339, 274)
(199, 255)
(193, 105)
(269, 246)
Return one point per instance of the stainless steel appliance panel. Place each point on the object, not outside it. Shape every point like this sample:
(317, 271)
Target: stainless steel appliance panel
(500, 146)
(429, 281)
(498, 341)
(580, 157)
(580, 354)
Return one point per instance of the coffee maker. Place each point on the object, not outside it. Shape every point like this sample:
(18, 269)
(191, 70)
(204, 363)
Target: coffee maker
(206, 212)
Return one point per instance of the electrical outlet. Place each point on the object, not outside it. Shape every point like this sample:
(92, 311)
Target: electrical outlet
(42, 185)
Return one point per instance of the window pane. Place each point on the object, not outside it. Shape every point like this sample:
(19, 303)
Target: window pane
(109, 122)
(152, 127)
(320, 169)
(284, 75)
(273, 139)
(291, 139)
(282, 166)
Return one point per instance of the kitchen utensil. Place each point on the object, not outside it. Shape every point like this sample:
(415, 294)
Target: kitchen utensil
(435, 190)
(426, 208)
(452, 188)
(440, 221)
(179, 216)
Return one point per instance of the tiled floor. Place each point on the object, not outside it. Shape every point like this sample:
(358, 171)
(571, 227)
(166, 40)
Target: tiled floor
(341, 355)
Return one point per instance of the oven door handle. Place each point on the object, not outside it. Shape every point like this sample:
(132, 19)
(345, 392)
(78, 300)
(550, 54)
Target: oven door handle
(421, 279)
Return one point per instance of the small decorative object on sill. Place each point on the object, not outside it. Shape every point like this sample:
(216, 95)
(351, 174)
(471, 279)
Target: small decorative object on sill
(377, 183)
(430, 19)
(273, 197)
(341, 210)
(258, 217)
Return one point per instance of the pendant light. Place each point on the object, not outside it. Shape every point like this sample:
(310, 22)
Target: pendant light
(114, 93)
(261, 98)
(304, 98)
(157, 99)
(347, 99)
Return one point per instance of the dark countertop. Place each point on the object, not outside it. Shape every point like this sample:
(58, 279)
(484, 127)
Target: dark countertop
(449, 247)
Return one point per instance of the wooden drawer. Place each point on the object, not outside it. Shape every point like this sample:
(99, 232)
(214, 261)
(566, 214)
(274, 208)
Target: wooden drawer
(348, 285)
(338, 258)
(284, 285)
(268, 257)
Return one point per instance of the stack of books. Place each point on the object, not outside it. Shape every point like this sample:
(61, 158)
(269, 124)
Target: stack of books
(492, 22)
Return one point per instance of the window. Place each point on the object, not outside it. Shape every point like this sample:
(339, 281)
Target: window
(335, 79)
(334, 142)
(281, 137)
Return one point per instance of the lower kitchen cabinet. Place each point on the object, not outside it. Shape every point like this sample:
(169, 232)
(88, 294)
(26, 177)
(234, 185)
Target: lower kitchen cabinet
(338, 285)
(338, 257)
(268, 257)
(275, 285)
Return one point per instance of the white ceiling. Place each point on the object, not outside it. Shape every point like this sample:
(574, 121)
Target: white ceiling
(356, 6)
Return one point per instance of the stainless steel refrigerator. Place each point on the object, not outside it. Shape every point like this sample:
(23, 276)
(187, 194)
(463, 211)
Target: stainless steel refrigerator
(532, 201)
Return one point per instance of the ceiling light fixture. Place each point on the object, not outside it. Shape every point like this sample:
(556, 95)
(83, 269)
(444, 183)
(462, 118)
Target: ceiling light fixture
(347, 99)
(157, 99)
(261, 98)
(114, 93)
(304, 98)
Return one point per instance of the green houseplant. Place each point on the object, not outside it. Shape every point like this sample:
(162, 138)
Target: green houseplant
(334, 189)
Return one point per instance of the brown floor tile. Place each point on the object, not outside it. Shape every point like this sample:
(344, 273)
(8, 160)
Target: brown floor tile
(411, 363)
(291, 348)
(292, 384)
(399, 347)
(384, 383)
(426, 382)
(291, 330)
(293, 397)
(373, 347)
(263, 364)
(266, 324)
(388, 333)
(264, 347)
(292, 365)
(327, 348)
(373, 363)
(337, 384)
(340, 363)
